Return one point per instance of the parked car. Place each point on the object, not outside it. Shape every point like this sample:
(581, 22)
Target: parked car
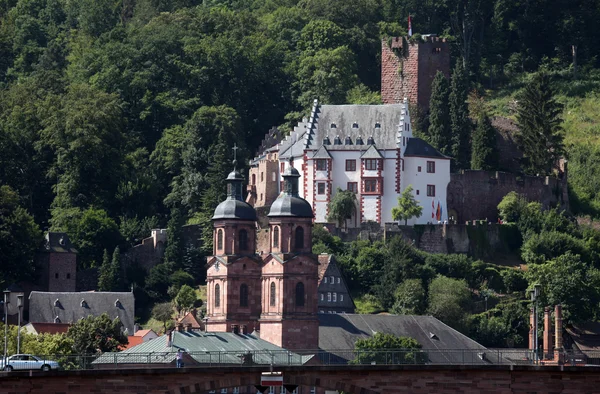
(27, 361)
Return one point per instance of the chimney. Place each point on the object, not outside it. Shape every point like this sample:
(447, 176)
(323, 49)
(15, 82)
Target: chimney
(235, 329)
(547, 334)
(244, 329)
(532, 329)
(180, 327)
(188, 327)
(194, 312)
(558, 344)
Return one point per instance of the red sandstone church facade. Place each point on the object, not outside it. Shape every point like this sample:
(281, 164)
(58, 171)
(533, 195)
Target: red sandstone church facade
(275, 291)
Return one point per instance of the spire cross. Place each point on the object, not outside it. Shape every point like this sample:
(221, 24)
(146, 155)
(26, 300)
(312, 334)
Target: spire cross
(234, 149)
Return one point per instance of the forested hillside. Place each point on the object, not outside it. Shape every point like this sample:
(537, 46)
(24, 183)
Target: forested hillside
(118, 116)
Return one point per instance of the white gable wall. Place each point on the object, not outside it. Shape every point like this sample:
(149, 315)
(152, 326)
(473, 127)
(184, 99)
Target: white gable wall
(419, 182)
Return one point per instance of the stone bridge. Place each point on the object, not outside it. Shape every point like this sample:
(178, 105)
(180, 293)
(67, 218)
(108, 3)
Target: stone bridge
(370, 379)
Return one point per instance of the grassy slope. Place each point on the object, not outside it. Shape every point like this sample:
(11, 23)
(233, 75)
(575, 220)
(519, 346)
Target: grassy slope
(581, 100)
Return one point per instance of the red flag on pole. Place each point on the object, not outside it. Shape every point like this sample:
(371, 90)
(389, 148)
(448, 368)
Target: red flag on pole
(432, 209)
(409, 26)
(438, 214)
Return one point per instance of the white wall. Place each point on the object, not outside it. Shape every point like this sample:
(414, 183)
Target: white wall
(420, 180)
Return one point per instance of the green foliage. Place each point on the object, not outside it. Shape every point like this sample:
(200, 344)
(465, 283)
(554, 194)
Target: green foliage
(439, 130)
(361, 94)
(410, 298)
(547, 245)
(185, 298)
(95, 334)
(504, 326)
(408, 207)
(342, 206)
(511, 207)
(20, 238)
(448, 300)
(514, 280)
(540, 132)
(460, 124)
(401, 350)
(484, 149)
(106, 275)
(163, 312)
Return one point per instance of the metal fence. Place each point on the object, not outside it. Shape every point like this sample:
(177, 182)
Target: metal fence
(337, 357)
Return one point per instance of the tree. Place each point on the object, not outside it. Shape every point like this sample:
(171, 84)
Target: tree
(448, 300)
(117, 270)
(439, 130)
(20, 237)
(384, 348)
(410, 298)
(408, 207)
(174, 249)
(163, 312)
(185, 298)
(106, 277)
(95, 334)
(540, 134)
(460, 124)
(485, 151)
(342, 206)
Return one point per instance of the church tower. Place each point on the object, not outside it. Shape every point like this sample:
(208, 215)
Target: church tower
(234, 270)
(290, 272)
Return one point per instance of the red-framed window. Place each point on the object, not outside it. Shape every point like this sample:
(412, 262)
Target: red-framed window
(431, 167)
(370, 186)
(321, 165)
(321, 188)
(350, 165)
(353, 187)
(281, 168)
(430, 190)
(370, 164)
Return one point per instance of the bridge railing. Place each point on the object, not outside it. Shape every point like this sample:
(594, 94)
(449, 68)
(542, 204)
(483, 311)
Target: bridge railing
(338, 357)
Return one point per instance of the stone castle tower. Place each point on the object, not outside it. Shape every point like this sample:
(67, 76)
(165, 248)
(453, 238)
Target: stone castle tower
(408, 69)
(275, 293)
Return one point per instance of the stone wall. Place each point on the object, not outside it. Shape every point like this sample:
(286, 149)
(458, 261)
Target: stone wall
(475, 195)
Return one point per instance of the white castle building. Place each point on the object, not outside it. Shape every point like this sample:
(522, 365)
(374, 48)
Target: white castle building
(369, 149)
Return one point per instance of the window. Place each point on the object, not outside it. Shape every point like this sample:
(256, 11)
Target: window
(272, 294)
(299, 294)
(419, 169)
(261, 196)
(236, 390)
(431, 167)
(276, 237)
(321, 165)
(430, 190)
(370, 164)
(243, 235)
(254, 179)
(262, 176)
(217, 296)
(334, 297)
(219, 239)
(353, 187)
(223, 391)
(244, 295)
(321, 188)
(299, 238)
(274, 176)
(350, 165)
(328, 297)
(332, 279)
(341, 297)
(56, 275)
(313, 390)
(417, 192)
(282, 168)
(68, 276)
(325, 280)
(322, 297)
(370, 186)
(338, 280)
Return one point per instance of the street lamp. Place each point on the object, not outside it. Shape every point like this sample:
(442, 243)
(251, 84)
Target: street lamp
(20, 307)
(6, 302)
(535, 293)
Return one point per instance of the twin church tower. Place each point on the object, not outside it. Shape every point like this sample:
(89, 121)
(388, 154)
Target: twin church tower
(274, 292)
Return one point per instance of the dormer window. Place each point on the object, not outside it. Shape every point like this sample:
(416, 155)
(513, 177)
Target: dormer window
(57, 303)
(359, 141)
(84, 304)
(118, 304)
(348, 141)
(355, 125)
(332, 126)
(370, 141)
(337, 141)
(377, 126)
(326, 141)
(56, 320)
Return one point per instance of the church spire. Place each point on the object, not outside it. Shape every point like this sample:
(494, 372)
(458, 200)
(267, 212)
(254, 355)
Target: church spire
(290, 180)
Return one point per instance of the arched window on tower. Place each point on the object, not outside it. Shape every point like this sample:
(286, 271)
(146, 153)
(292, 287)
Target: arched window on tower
(217, 296)
(254, 179)
(272, 294)
(299, 238)
(299, 294)
(276, 237)
(244, 295)
(243, 240)
(219, 239)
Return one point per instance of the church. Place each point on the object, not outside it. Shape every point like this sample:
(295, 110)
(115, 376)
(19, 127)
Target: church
(274, 292)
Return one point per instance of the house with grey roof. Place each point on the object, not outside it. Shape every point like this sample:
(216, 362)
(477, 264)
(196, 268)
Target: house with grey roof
(204, 348)
(368, 149)
(334, 296)
(70, 307)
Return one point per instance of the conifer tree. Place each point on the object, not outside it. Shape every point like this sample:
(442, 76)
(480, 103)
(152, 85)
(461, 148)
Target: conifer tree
(116, 270)
(540, 134)
(174, 249)
(460, 124)
(105, 278)
(484, 150)
(438, 134)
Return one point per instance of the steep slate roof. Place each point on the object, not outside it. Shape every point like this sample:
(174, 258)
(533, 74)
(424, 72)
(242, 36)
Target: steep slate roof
(340, 331)
(43, 307)
(205, 347)
(585, 337)
(58, 243)
(418, 147)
